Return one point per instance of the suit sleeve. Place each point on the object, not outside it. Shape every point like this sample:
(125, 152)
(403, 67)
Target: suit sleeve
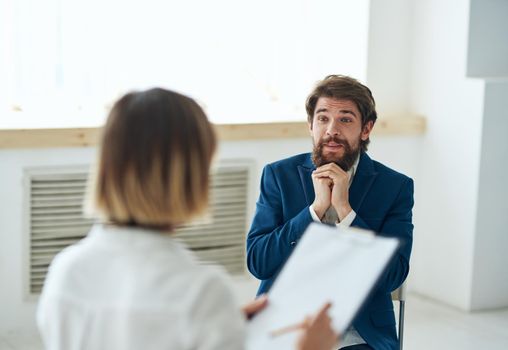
(271, 240)
(398, 223)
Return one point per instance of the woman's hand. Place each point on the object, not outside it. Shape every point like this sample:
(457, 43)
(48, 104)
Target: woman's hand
(317, 332)
(255, 306)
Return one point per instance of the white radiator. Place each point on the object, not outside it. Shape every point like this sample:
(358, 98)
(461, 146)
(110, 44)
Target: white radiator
(53, 218)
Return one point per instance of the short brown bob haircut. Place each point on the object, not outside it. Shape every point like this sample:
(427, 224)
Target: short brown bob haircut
(154, 161)
(341, 87)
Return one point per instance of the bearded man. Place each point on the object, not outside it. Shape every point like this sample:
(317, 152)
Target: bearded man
(337, 184)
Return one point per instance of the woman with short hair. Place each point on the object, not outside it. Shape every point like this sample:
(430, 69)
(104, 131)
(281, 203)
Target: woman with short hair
(129, 284)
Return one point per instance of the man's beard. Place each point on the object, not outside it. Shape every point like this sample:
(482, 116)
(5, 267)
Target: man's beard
(346, 161)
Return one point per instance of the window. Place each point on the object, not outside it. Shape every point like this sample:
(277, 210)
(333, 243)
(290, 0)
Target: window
(66, 61)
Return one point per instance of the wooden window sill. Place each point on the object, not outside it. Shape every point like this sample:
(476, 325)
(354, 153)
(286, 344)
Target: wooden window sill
(87, 137)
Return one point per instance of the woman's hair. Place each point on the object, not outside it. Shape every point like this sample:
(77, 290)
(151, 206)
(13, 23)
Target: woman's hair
(154, 161)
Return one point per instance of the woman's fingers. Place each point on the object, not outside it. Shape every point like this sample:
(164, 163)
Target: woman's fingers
(253, 307)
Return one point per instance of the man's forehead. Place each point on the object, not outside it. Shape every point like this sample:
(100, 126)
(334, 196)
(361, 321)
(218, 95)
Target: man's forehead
(333, 104)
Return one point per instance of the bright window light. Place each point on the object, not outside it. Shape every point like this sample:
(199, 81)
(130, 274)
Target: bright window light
(65, 61)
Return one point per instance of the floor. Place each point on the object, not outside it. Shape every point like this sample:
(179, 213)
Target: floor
(428, 325)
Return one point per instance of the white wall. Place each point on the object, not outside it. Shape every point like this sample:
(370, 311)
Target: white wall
(446, 196)
(488, 59)
(421, 55)
(460, 236)
(490, 278)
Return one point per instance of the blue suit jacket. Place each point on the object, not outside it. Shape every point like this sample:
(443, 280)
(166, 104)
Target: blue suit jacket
(383, 202)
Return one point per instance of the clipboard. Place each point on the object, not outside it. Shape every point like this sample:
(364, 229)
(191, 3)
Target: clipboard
(328, 264)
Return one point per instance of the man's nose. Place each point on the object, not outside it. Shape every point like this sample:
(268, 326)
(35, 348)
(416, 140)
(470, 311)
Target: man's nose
(333, 128)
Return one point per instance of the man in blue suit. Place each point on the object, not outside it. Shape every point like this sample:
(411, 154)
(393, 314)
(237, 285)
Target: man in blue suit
(336, 184)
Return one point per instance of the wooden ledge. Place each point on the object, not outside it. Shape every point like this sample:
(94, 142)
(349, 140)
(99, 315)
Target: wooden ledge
(87, 137)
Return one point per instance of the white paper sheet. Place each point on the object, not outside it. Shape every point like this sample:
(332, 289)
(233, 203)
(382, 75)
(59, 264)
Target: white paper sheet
(328, 264)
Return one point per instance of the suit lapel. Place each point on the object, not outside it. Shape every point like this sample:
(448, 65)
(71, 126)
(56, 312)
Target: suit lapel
(363, 180)
(305, 172)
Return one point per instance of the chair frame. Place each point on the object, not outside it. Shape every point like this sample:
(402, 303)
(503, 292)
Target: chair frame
(400, 295)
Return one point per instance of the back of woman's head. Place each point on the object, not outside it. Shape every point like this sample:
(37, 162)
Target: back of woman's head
(154, 162)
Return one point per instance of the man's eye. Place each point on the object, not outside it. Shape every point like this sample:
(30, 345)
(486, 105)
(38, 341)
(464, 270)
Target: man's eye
(346, 120)
(322, 118)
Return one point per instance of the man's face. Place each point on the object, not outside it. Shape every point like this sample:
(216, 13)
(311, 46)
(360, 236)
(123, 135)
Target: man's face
(336, 132)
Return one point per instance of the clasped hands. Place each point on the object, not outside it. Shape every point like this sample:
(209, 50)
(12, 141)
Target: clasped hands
(331, 187)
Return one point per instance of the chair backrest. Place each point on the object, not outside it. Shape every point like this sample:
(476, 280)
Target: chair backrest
(399, 294)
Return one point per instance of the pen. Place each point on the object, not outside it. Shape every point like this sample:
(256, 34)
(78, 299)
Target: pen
(321, 315)
(285, 330)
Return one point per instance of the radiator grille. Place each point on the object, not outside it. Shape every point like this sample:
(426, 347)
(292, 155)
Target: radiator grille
(56, 220)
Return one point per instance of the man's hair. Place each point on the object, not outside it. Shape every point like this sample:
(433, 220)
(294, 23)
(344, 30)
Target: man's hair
(341, 87)
(154, 161)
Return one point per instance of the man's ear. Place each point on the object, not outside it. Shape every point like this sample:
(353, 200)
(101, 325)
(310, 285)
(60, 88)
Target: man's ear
(309, 124)
(367, 128)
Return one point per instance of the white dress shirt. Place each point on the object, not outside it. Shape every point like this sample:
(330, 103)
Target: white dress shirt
(129, 288)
